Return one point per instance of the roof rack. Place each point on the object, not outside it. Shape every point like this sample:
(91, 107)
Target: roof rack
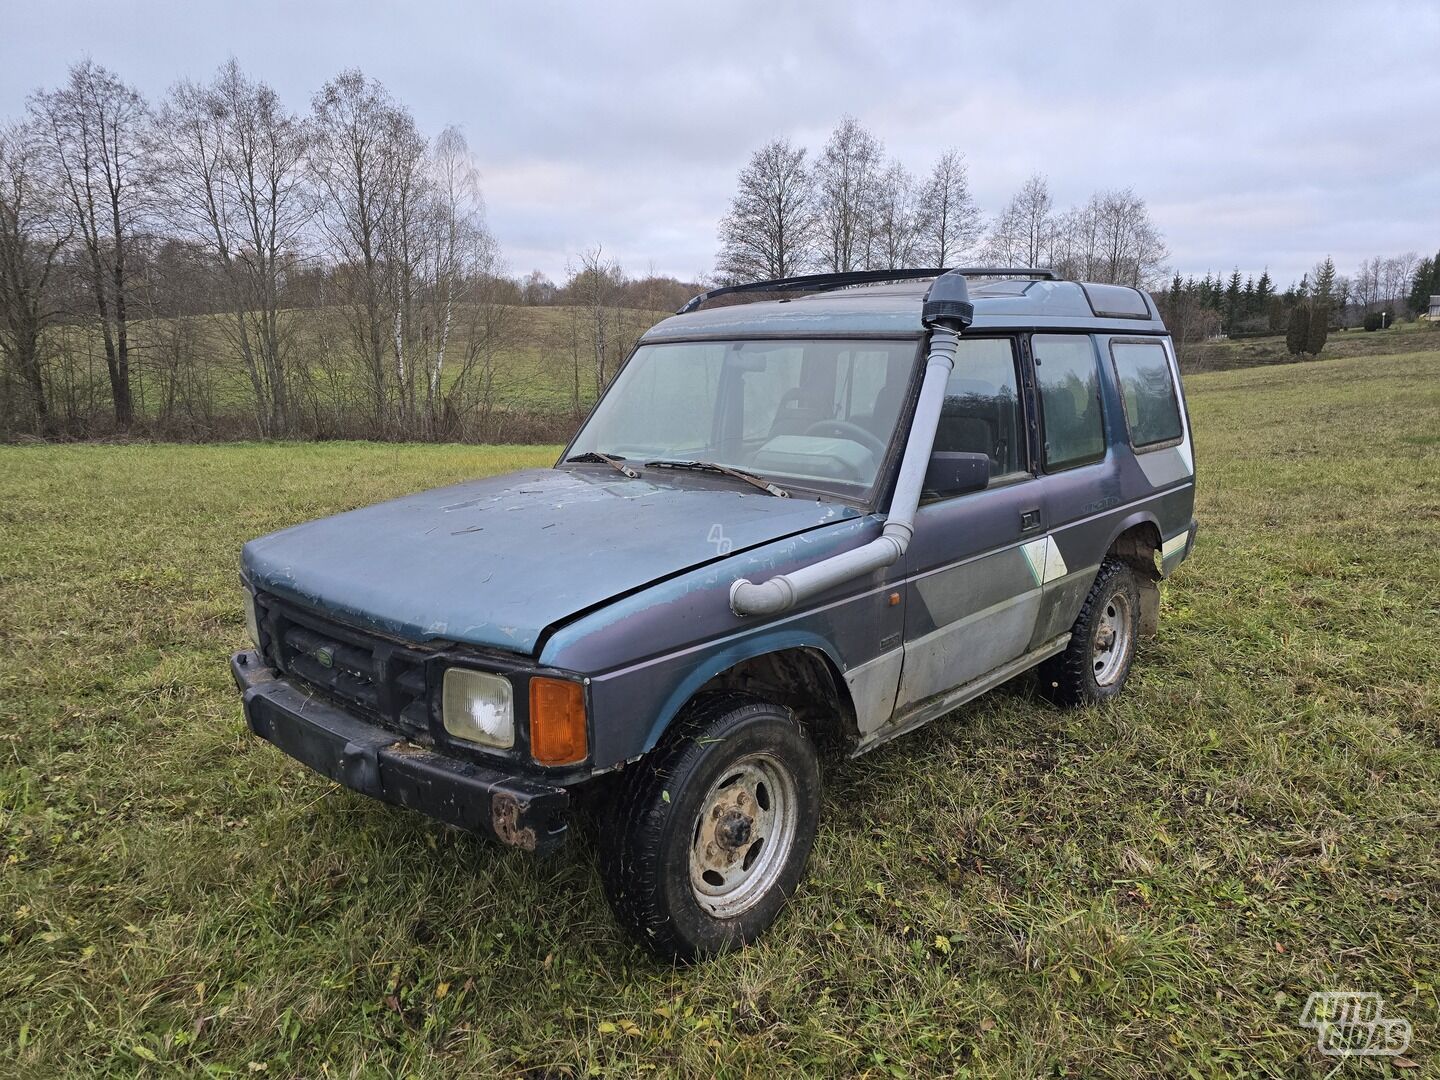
(824, 282)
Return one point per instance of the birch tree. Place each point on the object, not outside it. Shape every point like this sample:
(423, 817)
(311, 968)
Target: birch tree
(465, 267)
(363, 157)
(847, 177)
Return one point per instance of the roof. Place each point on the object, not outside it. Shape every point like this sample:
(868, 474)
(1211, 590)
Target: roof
(894, 309)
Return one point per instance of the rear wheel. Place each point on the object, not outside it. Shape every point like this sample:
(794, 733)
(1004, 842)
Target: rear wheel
(711, 832)
(1096, 663)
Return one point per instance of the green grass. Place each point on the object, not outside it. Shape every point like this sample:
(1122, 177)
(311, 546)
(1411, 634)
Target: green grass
(534, 370)
(1147, 888)
(1224, 354)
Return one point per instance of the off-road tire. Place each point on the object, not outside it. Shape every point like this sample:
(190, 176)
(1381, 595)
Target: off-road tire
(1069, 677)
(645, 843)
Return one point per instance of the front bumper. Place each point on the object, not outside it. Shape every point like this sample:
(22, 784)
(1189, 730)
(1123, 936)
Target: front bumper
(375, 762)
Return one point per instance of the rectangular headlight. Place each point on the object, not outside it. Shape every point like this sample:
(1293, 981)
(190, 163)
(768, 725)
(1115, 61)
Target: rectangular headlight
(252, 620)
(478, 707)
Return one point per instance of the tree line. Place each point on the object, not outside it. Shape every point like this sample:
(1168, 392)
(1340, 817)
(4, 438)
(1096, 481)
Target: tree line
(216, 263)
(850, 208)
(1382, 290)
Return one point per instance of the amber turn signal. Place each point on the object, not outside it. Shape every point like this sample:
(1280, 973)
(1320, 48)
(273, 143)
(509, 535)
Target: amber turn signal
(557, 721)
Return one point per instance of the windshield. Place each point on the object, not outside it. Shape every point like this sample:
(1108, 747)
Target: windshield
(816, 414)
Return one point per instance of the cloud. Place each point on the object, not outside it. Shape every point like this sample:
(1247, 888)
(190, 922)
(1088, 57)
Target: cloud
(1262, 134)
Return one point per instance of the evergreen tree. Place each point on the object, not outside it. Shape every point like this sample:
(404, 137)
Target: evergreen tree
(1319, 328)
(1264, 290)
(1232, 303)
(1247, 299)
(1298, 333)
(1425, 284)
(1275, 314)
(1324, 289)
(1297, 336)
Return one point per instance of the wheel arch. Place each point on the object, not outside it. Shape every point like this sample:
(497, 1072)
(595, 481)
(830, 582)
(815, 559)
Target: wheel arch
(798, 670)
(1137, 540)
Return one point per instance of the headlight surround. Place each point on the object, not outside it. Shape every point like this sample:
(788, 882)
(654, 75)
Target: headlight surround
(478, 707)
(252, 620)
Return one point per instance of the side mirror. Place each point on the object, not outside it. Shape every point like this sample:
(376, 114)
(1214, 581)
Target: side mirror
(954, 473)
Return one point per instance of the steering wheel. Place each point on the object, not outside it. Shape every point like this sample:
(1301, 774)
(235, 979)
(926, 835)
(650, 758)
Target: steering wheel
(843, 429)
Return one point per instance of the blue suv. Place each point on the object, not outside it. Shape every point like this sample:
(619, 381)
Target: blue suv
(817, 520)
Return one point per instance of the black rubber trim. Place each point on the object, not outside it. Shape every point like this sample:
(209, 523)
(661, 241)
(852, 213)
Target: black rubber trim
(384, 765)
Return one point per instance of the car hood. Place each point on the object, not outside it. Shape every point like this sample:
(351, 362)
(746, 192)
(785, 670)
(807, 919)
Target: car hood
(495, 562)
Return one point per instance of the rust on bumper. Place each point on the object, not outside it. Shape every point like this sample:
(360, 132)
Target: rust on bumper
(373, 761)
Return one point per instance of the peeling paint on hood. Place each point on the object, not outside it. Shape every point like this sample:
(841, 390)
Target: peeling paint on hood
(495, 562)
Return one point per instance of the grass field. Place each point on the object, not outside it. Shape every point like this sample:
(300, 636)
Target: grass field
(1224, 354)
(534, 369)
(1148, 888)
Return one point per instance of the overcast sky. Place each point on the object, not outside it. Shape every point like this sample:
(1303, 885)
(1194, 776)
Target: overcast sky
(1261, 133)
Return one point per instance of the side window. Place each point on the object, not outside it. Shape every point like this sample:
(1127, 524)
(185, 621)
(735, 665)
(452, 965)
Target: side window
(981, 414)
(1069, 384)
(1152, 409)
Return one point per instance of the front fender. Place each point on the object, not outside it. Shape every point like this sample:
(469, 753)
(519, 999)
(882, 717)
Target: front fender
(647, 654)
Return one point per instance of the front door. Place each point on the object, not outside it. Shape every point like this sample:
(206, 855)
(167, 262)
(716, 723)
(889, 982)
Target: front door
(976, 561)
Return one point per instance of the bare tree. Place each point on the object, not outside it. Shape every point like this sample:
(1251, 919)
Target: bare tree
(364, 153)
(847, 176)
(1131, 251)
(1075, 243)
(593, 289)
(31, 237)
(1024, 233)
(465, 259)
(1396, 274)
(1109, 239)
(769, 231)
(94, 126)
(489, 329)
(947, 219)
(893, 227)
(1366, 284)
(537, 288)
(230, 164)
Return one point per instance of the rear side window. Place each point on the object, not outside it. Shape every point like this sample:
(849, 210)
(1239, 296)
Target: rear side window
(1069, 384)
(1116, 301)
(981, 414)
(1152, 409)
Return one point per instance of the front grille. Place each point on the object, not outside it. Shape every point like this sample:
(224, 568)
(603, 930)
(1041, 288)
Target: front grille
(381, 680)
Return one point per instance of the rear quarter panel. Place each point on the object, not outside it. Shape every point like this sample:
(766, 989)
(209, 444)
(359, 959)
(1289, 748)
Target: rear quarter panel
(1090, 506)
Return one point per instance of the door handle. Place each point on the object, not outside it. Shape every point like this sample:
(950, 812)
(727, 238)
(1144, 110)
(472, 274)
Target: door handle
(1029, 520)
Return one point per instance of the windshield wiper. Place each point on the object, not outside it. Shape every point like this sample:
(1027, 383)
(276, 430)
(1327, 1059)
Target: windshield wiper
(710, 466)
(618, 464)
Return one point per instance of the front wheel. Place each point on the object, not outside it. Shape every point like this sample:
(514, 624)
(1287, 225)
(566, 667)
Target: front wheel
(712, 830)
(1096, 663)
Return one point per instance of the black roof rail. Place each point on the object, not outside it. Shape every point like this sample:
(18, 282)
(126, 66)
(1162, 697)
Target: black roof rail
(823, 282)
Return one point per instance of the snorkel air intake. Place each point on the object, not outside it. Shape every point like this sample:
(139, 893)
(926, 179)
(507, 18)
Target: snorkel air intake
(946, 313)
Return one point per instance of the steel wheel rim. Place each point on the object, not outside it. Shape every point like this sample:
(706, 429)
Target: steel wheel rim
(1112, 639)
(743, 835)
